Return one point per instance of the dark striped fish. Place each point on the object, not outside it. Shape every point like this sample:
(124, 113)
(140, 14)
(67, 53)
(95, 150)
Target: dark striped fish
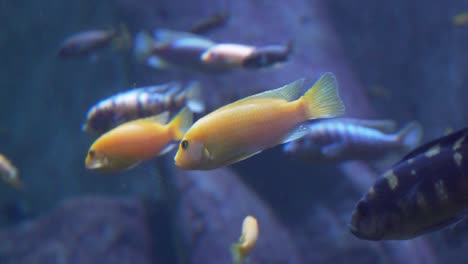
(142, 102)
(341, 139)
(210, 23)
(424, 192)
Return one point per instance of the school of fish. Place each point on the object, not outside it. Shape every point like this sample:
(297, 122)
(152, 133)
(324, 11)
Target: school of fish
(425, 191)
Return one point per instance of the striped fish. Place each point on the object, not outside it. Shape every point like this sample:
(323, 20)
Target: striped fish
(341, 139)
(142, 102)
(425, 191)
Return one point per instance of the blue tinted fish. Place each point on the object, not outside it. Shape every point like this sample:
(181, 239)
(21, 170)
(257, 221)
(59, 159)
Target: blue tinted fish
(424, 192)
(142, 102)
(87, 42)
(173, 50)
(210, 23)
(268, 56)
(343, 139)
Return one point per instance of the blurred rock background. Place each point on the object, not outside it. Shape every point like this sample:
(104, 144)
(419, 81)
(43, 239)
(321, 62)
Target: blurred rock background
(399, 60)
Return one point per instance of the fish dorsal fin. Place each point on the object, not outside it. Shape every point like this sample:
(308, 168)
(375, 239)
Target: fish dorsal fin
(160, 118)
(164, 36)
(385, 126)
(297, 133)
(445, 141)
(288, 92)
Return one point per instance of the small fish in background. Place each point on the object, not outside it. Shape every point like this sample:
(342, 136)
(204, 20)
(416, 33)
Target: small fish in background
(246, 127)
(210, 23)
(9, 173)
(249, 236)
(342, 139)
(268, 56)
(169, 49)
(460, 19)
(88, 42)
(131, 143)
(424, 192)
(227, 55)
(143, 102)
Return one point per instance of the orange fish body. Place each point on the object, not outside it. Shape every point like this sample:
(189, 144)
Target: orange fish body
(133, 142)
(246, 127)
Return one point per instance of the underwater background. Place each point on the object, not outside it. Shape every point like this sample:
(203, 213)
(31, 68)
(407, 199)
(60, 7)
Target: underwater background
(398, 60)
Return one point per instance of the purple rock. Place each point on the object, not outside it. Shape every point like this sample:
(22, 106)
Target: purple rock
(82, 230)
(212, 206)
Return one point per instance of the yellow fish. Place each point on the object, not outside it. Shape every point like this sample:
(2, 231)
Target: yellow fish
(136, 141)
(460, 19)
(9, 173)
(249, 236)
(246, 127)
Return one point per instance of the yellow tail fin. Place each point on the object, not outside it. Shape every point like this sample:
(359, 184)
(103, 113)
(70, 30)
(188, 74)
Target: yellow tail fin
(323, 100)
(237, 257)
(181, 123)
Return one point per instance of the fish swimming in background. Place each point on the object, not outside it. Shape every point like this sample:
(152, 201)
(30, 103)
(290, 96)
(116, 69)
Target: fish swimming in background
(143, 102)
(169, 49)
(460, 19)
(212, 22)
(246, 127)
(268, 56)
(88, 42)
(136, 141)
(9, 173)
(424, 192)
(227, 55)
(247, 241)
(342, 139)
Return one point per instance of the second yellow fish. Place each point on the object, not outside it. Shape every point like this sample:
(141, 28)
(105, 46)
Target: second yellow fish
(136, 141)
(246, 127)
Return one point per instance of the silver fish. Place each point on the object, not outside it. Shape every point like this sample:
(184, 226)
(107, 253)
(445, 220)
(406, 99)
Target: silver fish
(343, 139)
(169, 49)
(424, 192)
(142, 102)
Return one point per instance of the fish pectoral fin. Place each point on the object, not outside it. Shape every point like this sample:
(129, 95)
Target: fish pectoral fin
(297, 133)
(161, 118)
(156, 62)
(333, 150)
(167, 149)
(240, 157)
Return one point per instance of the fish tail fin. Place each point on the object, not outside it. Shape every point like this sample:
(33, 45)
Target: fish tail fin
(181, 123)
(123, 39)
(411, 135)
(236, 255)
(322, 99)
(195, 98)
(143, 45)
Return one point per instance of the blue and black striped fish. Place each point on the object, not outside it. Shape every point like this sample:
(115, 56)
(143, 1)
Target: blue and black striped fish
(426, 191)
(143, 102)
(342, 139)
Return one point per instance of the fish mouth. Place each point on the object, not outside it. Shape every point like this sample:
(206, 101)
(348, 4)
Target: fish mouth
(95, 164)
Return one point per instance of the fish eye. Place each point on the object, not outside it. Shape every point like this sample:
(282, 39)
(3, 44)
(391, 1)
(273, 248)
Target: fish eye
(184, 144)
(91, 153)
